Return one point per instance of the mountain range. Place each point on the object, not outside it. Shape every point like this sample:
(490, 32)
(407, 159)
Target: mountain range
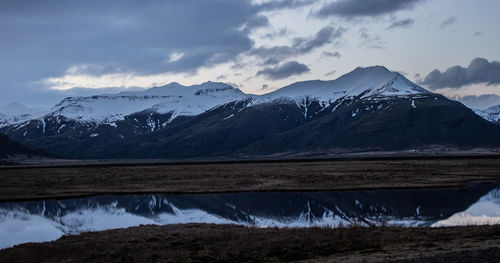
(368, 109)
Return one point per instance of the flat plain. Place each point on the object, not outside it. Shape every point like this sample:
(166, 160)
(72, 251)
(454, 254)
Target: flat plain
(42, 182)
(228, 243)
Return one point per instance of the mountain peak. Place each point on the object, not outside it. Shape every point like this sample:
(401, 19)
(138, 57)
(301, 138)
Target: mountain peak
(371, 81)
(371, 72)
(171, 85)
(376, 68)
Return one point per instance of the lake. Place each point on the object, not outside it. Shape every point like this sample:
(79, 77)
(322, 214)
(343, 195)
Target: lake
(38, 221)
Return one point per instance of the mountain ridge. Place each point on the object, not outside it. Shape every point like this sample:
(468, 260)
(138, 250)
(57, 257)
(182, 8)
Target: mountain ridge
(491, 114)
(368, 109)
(101, 108)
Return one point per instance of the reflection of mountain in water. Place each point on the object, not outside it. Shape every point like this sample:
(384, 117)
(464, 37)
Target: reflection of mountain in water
(486, 211)
(47, 220)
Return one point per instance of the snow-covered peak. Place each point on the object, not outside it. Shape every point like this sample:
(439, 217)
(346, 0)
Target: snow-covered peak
(370, 81)
(171, 98)
(192, 100)
(176, 89)
(17, 113)
(491, 114)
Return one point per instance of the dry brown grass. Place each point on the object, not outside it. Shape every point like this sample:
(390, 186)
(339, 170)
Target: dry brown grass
(219, 243)
(36, 183)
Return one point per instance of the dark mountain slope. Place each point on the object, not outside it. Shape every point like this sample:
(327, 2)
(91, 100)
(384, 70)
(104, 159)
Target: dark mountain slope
(282, 128)
(386, 125)
(9, 147)
(220, 131)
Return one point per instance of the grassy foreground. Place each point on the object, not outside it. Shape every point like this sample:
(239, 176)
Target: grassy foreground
(29, 183)
(226, 243)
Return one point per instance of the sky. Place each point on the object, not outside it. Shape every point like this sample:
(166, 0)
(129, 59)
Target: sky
(57, 48)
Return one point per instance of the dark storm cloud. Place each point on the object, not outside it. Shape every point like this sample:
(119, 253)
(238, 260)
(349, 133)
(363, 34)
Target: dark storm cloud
(479, 70)
(275, 54)
(42, 39)
(405, 23)
(365, 8)
(284, 71)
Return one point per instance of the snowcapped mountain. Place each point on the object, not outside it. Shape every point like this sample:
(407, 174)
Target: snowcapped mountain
(369, 108)
(16, 109)
(368, 82)
(491, 114)
(18, 113)
(179, 100)
(172, 98)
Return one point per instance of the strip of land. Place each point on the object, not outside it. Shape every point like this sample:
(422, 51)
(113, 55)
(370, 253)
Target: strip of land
(35, 183)
(225, 243)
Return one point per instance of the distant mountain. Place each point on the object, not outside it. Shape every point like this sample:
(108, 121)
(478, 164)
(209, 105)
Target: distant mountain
(491, 114)
(11, 148)
(16, 109)
(367, 109)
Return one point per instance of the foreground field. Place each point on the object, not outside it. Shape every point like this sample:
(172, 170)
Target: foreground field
(225, 243)
(29, 183)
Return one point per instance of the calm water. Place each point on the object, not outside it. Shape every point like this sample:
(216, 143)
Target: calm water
(39, 221)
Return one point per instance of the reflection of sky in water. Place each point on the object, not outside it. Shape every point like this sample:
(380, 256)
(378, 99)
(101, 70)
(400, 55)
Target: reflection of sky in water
(17, 228)
(486, 211)
(48, 220)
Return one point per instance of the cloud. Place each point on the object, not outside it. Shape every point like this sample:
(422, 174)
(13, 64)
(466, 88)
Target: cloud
(283, 4)
(273, 55)
(365, 8)
(448, 21)
(280, 33)
(405, 23)
(331, 73)
(369, 41)
(255, 22)
(44, 40)
(284, 71)
(479, 70)
(335, 54)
